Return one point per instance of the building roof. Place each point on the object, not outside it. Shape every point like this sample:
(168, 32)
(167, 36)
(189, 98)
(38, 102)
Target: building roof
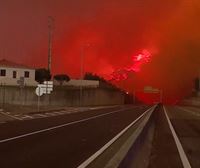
(10, 64)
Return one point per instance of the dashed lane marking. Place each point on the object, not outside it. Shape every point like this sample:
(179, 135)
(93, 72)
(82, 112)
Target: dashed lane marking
(58, 113)
(39, 115)
(61, 126)
(27, 117)
(47, 114)
(11, 116)
(184, 159)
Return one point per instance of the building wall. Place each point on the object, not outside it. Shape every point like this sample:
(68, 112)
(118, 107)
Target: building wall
(61, 96)
(9, 80)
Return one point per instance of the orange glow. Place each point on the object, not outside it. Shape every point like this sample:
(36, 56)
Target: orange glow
(136, 65)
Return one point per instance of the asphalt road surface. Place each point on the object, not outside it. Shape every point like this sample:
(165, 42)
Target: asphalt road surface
(61, 141)
(155, 147)
(164, 152)
(187, 126)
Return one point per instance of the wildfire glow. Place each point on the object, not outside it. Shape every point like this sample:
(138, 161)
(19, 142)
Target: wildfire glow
(137, 62)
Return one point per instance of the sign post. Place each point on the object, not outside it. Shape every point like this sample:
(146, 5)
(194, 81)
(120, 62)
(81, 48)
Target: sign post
(21, 83)
(150, 89)
(45, 88)
(38, 103)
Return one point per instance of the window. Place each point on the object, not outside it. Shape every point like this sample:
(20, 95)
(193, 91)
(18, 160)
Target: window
(2, 72)
(26, 74)
(14, 74)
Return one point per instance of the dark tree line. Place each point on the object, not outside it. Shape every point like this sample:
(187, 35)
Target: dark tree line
(91, 76)
(196, 84)
(43, 74)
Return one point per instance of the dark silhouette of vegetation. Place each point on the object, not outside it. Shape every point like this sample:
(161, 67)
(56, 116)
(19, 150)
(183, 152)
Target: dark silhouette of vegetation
(91, 76)
(196, 84)
(42, 75)
(61, 78)
(103, 83)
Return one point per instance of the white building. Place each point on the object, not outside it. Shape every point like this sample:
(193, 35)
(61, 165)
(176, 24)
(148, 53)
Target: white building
(12, 73)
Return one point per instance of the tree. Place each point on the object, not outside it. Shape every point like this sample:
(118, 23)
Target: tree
(196, 84)
(103, 83)
(91, 76)
(62, 78)
(42, 75)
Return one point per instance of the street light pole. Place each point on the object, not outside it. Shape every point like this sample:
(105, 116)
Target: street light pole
(82, 71)
(81, 74)
(161, 96)
(51, 27)
(199, 82)
(134, 96)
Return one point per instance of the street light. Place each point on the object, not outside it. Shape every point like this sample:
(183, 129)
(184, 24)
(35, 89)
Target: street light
(81, 69)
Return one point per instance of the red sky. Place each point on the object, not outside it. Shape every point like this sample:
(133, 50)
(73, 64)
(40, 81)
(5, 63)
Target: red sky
(117, 30)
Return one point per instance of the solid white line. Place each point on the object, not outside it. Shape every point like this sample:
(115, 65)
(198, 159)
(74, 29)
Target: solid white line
(60, 126)
(184, 159)
(189, 111)
(10, 116)
(100, 151)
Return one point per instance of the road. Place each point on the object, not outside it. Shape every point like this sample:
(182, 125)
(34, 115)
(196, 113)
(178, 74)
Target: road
(170, 138)
(71, 139)
(186, 122)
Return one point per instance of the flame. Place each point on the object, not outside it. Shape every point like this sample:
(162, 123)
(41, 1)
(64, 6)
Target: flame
(137, 62)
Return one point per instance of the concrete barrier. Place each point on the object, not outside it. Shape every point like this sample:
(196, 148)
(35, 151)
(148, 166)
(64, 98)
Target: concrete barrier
(61, 96)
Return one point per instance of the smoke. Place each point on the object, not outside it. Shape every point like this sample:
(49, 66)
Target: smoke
(116, 30)
(135, 66)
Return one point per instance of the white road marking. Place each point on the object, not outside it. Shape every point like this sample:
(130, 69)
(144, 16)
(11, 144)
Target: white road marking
(58, 113)
(189, 111)
(63, 111)
(39, 115)
(26, 117)
(11, 116)
(74, 110)
(100, 151)
(184, 159)
(60, 126)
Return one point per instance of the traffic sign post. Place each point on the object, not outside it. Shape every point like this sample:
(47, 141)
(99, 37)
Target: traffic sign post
(150, 89)
(38, 103)
(21, 83)
(45, 88)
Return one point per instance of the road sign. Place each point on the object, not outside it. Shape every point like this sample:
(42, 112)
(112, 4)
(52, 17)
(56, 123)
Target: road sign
(150, 89)
(45, 88)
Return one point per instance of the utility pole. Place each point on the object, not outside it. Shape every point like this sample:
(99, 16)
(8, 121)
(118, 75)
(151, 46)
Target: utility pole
(134, 96)
(81, 75)
(161, 96)
(51, 28)
(82, 55)
(199, 82)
